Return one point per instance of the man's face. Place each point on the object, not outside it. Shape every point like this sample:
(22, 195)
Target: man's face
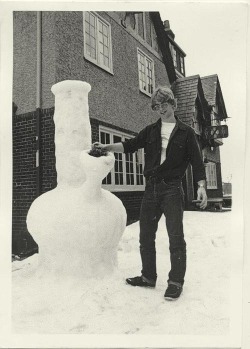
(162, 108)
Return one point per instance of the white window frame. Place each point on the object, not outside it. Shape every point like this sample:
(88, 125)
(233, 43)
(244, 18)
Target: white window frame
(146, 58)
(211, 175)
(122, 187)
(97, 61)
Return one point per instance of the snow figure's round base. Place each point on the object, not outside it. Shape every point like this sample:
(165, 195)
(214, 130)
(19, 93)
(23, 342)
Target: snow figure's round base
(78, 229)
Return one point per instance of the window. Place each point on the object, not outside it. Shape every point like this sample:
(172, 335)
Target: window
(211, 175)
(127, 173)
(182, 65)
(97, 41)
(146, 73)
(178, 59)
(173, 51)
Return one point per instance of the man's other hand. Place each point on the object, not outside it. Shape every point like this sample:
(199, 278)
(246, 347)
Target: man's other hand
(202, 195)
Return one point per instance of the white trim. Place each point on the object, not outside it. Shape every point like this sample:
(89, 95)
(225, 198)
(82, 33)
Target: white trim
(97, 60)
(123, 187)
(146, 57)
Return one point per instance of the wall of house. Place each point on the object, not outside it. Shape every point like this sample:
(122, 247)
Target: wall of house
(114, 101)
(24, 60)
(114, 98)
(48, 58)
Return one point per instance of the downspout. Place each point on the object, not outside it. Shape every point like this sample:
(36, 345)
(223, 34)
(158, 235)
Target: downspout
(38, 101)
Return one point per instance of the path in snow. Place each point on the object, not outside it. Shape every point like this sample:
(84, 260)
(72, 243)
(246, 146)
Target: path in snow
(109, 306)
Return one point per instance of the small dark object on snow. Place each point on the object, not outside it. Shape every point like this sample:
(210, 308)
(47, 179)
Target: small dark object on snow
(173, 292)
(139, 281)
(97, 152)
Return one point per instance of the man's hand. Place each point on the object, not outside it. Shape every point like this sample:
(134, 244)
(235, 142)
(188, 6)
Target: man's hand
(98, 145)
(202, 195)
(116, 147)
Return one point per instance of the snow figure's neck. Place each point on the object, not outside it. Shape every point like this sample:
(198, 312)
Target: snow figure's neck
(72, 130)
(92, 188)
(96, 168)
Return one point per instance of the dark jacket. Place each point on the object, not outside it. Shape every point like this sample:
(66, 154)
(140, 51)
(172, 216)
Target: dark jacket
(182, 149)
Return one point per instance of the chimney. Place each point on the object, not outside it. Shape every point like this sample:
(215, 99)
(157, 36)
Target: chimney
(168, 30)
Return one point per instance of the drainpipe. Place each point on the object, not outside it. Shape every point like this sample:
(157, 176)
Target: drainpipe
(38, 101)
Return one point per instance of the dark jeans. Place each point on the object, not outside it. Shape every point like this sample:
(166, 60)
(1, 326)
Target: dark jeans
(167, 198)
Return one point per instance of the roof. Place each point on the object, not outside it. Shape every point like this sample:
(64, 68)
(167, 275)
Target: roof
(209, 84)
(176, 45)
(186, 90)
(213, 93)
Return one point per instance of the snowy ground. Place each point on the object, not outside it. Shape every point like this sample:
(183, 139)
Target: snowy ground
(109, 306)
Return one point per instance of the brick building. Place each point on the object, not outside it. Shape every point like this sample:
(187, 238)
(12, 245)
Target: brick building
(123, 55)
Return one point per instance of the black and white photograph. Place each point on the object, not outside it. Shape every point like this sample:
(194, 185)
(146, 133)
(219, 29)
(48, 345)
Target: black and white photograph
(124, 175)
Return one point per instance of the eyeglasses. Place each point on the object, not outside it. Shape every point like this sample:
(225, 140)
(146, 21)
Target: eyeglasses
(160, 106)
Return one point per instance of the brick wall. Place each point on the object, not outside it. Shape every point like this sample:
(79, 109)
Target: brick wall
(48, 168)
(24, 177)
(132, 203)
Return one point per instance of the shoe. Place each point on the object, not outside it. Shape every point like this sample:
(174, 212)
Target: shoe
(173, 292)
(140, 281)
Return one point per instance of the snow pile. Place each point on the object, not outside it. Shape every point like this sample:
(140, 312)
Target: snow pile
(108, 306)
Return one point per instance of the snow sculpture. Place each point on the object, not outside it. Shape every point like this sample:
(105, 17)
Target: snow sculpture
(78, 224)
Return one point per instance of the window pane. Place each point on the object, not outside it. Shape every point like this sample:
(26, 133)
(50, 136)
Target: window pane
(92, 19)
(139, 167)
(106, 61)
(92, 31)
(93, 53)
(117, 139)
(87, 16)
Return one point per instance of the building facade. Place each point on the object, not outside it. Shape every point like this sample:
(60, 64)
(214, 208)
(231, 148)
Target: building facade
(123, 56)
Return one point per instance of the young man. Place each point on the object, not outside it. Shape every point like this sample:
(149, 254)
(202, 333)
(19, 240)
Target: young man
(170, 145)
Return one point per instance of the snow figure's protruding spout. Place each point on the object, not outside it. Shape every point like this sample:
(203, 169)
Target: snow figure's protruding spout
(72, 129)
(78, 224)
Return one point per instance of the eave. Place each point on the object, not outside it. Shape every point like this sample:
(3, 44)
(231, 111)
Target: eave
(163, 41)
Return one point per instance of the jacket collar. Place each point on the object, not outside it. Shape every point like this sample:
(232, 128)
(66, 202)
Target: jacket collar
(179, 124)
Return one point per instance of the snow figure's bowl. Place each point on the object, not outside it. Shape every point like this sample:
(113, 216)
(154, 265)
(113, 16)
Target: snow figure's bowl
(79, 228)
(96, 168)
